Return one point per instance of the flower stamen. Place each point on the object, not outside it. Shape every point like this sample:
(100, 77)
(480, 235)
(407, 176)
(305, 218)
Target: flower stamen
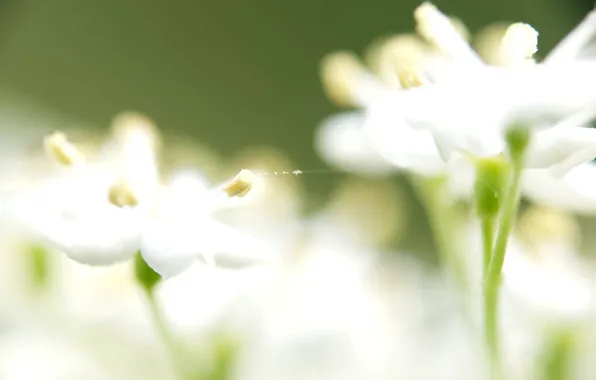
(58, 147)
(121, 194)
(341, 72)
(240, 185)
(410, 77)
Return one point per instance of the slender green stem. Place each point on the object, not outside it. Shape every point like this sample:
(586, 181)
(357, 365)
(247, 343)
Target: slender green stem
(177, 354)
(488, 237)
(441, 215)
(493, 276)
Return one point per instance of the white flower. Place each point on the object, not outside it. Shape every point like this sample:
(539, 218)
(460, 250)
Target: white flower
(543, 272)
(341, 143)
(104, 211)
(72, 211)
(573, 192)
(183, 229)
(450, 106)
(470, 109)
(374, 140)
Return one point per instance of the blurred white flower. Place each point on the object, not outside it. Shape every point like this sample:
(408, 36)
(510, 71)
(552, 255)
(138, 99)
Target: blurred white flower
(29, 355)
(85, 211)
(183, 229)
(574, 191)
(461, 105)
(102, 211)
(543, 268)
(471, 108)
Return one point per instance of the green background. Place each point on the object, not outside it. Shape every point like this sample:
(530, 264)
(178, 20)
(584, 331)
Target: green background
(230, 73)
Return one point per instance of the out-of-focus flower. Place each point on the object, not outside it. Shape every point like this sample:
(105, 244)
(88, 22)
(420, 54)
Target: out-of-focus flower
(86, 210)
(544, 271)
(572, 192)
(102, 211)
(471, 108)
(439, 102)
(183, 229)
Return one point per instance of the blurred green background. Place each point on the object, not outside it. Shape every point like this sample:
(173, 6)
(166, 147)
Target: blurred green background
(230, 73)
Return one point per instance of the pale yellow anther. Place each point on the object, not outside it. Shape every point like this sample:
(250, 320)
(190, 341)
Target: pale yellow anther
(407, 48)
(240, 185)
(409, 77)
(58, 147)
(540, 225)
(339, 73)
(519, 43)
(120, 194)
(487, 42)
(390, 56)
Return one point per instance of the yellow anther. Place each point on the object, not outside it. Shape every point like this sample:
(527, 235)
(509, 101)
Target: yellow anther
(240, 185)
(120, 194)
(339, 73)
(62, 150)
(409, 77)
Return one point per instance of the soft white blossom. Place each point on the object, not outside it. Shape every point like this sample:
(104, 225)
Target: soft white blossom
(103, 210)
(183, 229)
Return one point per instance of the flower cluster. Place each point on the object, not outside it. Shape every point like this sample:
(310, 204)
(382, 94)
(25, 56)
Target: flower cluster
(430, 105)
(118, 263)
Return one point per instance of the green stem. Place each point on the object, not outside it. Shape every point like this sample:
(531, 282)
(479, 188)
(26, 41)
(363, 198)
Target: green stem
(488, 237)
(177, 354)
(443, 224)
(493, 276)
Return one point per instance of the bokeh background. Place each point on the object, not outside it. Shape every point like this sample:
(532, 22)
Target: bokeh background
(229, 74)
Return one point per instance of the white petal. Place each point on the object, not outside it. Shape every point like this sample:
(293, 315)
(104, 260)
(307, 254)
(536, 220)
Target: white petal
(570, 47)
(460, 115)
(439, 29)
(398, 143)
(573, 192)
(340, 141)
(232, 248)
(81, 223)
(554, 289)
(171, 246)
(562, 149)
(549, 92)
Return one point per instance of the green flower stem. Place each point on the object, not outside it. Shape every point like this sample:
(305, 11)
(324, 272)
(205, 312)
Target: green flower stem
(148, 280)
(488, 238)
(177, 354)
(517, 144)
(491, 180)
(443, 223)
